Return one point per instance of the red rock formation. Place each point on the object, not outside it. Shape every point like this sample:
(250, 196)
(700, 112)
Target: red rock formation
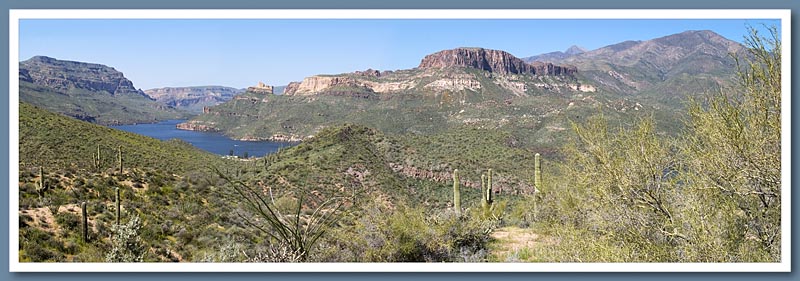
(492, 60)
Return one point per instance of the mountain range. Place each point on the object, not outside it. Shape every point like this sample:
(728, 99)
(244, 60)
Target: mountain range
(193, 99)
(390, 144)
(537, 97)
(557, 55)
(89, 92)
(491, 89)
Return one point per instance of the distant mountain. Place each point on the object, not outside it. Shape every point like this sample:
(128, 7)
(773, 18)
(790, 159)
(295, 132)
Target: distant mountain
(452, 70)
(484, 88)
(491, 60)
(87, 91)
(193, 99)
(278, 90)
(450, 88)
(666, 68)
(556, 56)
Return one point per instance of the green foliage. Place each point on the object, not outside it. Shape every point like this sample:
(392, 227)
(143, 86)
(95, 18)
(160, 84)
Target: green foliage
(622, 190)
(56, 141)
(126, 244)
(712, 194)
(295, 231)
(735, 140)
(409, 234)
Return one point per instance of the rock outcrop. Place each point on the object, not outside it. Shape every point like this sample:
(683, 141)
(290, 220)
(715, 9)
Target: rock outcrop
(193, 98)
(441, 71)
(65, 75)
(494, 61)
(88, 91)
(262, 88)
(195, 125)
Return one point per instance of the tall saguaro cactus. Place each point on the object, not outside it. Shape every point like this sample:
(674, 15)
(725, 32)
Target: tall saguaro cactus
(119, 158)
(484, 201)
(97, 159)
(537, 181)
(41, 185)
(118, 198)
(456, 193)
(85, 222)
(537, 173)
(489, 189)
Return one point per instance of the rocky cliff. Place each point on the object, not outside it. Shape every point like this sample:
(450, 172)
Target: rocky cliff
(441, 71)
(65, 75)
(193, 98)
(494, 61)
(88, 91)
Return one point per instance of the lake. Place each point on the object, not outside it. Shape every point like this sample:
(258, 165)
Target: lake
(211, 142)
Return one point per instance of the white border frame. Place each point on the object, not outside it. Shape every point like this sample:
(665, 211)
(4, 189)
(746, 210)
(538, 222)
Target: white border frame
(15, 15)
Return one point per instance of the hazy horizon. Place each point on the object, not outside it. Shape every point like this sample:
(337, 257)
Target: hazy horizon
(239, 53)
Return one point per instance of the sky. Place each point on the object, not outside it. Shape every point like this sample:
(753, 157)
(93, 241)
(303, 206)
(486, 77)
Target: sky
(239, 53)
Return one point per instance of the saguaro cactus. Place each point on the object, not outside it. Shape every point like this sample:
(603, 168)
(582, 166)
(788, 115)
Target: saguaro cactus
(489, 189)
(41, 184)
(484, 202)
(85, 222)
(118, 198)
(456, 193)
(119, 158)
(97, 159)
(537, 173)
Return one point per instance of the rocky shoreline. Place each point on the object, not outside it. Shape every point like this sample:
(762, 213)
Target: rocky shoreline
(196, 126)
(202, 126)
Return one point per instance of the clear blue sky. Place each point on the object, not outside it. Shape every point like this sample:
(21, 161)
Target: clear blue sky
(239, 53)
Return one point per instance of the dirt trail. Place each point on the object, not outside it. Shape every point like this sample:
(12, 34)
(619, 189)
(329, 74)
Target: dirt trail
(508, 240)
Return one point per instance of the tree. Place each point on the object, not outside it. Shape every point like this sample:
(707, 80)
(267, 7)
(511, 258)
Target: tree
(734, 146)
(126, 245)
(628, 180)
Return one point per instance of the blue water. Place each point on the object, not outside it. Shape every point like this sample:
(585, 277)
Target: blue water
(211, 142)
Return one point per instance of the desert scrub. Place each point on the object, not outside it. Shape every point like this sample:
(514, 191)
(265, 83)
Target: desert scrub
(409, 234)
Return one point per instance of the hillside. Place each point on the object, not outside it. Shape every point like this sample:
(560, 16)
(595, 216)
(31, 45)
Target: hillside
(191, 215)
(473, 156)
(56, 141)
(193, 99)
(664, 69)
(89, 92)
(483, 88)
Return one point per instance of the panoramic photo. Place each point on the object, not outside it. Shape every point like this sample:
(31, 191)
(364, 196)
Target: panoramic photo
(399, 140)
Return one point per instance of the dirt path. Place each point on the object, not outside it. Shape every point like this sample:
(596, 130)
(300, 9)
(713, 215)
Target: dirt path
(513, 240)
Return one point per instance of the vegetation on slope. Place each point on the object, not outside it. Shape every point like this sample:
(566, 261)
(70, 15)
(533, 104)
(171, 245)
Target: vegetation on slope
(711, 194)
(614, 192)
(90, 92)
(51, 140)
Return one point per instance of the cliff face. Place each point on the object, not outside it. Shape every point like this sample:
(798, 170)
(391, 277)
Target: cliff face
(88, 91)
(493, 61)
(64, 75)
(193, 98)
(438, 72)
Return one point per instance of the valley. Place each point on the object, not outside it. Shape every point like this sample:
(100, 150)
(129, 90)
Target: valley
(624, 153)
